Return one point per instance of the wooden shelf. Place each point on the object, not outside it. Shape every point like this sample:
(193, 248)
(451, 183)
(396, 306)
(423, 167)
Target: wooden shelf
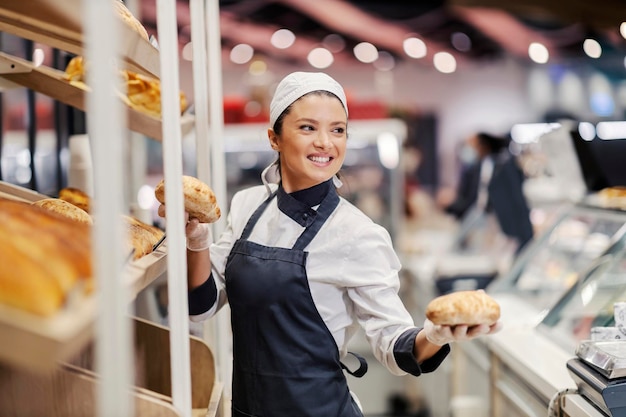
(53, 83)
(59, 24)
(70, 390)
(40, 343)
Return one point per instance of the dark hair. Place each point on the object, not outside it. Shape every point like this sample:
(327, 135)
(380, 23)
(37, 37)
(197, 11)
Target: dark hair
(493, 144)
(278, 124)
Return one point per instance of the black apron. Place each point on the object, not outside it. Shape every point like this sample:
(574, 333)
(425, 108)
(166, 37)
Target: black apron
(285, 360)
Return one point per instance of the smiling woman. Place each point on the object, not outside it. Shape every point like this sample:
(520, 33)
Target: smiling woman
(303, 270)
(309, 134)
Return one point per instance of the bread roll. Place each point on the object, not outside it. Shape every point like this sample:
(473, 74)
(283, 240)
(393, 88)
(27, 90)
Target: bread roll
(200, 201)
(141, 236)
(76, 197)
(143, 93)
(75, 69)
(463, 307)
(44, 257)
(66, 209)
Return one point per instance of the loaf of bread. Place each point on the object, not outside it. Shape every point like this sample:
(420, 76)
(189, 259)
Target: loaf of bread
(200, 201)
(463, 308)
(66, 209)
(141, 237)
(44, 256)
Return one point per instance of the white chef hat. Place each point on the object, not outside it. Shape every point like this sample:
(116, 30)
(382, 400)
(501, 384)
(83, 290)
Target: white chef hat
(297, 84)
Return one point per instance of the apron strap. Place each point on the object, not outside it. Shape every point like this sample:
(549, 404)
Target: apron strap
(362, 366)
(324, 211)
(255, 216)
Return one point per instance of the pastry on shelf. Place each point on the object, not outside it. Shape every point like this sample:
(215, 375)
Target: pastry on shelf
(66, 209)
(141, 92)
(45, 257)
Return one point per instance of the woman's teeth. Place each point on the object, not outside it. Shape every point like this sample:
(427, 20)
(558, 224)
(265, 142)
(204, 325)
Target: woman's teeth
(320, 159)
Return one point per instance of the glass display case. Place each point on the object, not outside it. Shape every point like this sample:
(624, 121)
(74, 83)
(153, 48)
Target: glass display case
(590, 303)
(553, 263)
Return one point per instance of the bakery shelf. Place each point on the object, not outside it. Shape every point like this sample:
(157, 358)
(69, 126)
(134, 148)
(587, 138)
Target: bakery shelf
(40, 343)
(53, 83)
(59, 25)
(70, 389)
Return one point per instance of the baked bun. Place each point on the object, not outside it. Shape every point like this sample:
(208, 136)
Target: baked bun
(141, 236)
(75, 70)
(200, 201)
(76, 197)
(44, 257)
(143, 93)
(463, 308)
(66, 209)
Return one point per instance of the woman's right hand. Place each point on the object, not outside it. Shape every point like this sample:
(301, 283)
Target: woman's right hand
(199, 235)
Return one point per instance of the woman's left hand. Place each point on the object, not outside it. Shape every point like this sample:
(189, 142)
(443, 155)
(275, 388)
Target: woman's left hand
(441, 335)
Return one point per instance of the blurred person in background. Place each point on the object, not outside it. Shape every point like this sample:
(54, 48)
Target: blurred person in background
(491, 181)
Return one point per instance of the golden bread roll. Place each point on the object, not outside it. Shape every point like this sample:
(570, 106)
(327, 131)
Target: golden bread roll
(613, 197)
(613, 192)
(44, 256)
(200, 201)
(463, 307)
(66, 209)
(76, 197)
(143, 93)
(141, 236)
(129, 19)
(75, 70)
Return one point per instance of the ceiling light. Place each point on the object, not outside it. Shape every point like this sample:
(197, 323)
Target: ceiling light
(444, 62)
(461, 41)
(592, 48)
(334, 43)
(38, 57)
(320, 58)
(283, 38)
(366, 52)
(587, 131)
(538, 53)
(531, 132)
(388, 152)
(611, 130)
(241, 53)
(622, 29)
(414, 47)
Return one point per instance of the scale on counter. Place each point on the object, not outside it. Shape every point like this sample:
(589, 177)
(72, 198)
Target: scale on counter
(600, 374)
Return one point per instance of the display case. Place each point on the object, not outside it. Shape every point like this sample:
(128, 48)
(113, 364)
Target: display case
(590, 303)
(572, 245)
(555, 261)
(537, 356)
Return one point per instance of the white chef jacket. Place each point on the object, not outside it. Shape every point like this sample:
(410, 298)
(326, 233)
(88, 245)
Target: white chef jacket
(351, 267)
